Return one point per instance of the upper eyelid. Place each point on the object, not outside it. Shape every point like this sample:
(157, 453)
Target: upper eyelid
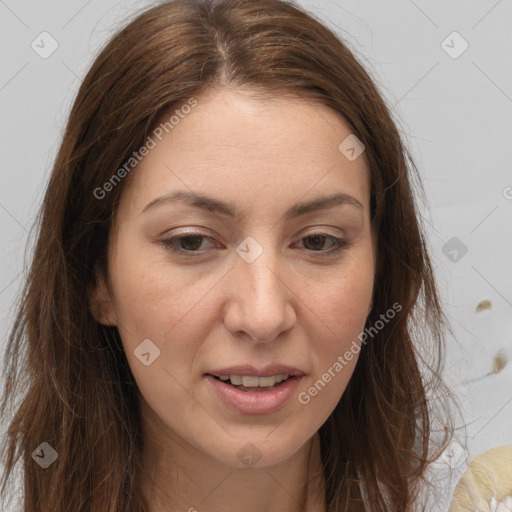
(340, 240)
(317, 231)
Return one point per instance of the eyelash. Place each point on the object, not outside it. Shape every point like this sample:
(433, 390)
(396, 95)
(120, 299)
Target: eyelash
(170, 243)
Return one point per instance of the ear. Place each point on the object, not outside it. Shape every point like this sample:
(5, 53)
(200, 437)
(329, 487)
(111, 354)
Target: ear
(100, 301)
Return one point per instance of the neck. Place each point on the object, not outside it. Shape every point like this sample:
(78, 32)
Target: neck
(179, 478)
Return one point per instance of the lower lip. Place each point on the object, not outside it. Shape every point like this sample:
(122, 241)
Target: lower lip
(257, 402)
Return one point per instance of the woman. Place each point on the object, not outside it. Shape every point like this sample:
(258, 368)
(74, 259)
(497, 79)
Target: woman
(231, 287)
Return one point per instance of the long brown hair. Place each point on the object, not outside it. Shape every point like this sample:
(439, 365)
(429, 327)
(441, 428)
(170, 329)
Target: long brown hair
(70, 373)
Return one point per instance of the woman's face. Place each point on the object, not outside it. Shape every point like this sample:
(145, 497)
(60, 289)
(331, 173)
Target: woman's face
(247, 283)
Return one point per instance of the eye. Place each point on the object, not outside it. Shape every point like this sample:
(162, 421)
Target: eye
(185, 244)
(191, 243)
(317, 240)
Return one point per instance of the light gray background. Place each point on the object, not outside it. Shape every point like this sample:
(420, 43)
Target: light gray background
(455, 114)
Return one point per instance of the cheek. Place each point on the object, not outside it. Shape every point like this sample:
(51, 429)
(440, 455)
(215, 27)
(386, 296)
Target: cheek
(158, 315)
(149, 299)
(341, 299)
(151, 294)
(338, 309)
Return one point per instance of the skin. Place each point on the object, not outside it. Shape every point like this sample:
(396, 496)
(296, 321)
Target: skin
(212, 310)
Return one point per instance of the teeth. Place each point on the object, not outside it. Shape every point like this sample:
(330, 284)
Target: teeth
(236, 380)
(252, 381)
(265, 382)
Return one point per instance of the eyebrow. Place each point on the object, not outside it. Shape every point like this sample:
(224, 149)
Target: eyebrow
(213, 205)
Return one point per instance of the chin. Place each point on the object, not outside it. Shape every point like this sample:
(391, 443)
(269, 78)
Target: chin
(259, 452)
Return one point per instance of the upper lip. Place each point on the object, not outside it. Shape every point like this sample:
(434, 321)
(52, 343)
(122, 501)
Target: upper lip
(267, 371)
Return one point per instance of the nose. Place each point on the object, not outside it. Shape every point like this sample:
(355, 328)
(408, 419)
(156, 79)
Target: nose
(260, 298)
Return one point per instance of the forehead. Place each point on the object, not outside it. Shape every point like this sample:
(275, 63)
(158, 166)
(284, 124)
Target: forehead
(239, 146)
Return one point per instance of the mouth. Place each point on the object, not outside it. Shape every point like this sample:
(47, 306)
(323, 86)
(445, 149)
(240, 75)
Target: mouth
(253, 383)
(249, 390)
